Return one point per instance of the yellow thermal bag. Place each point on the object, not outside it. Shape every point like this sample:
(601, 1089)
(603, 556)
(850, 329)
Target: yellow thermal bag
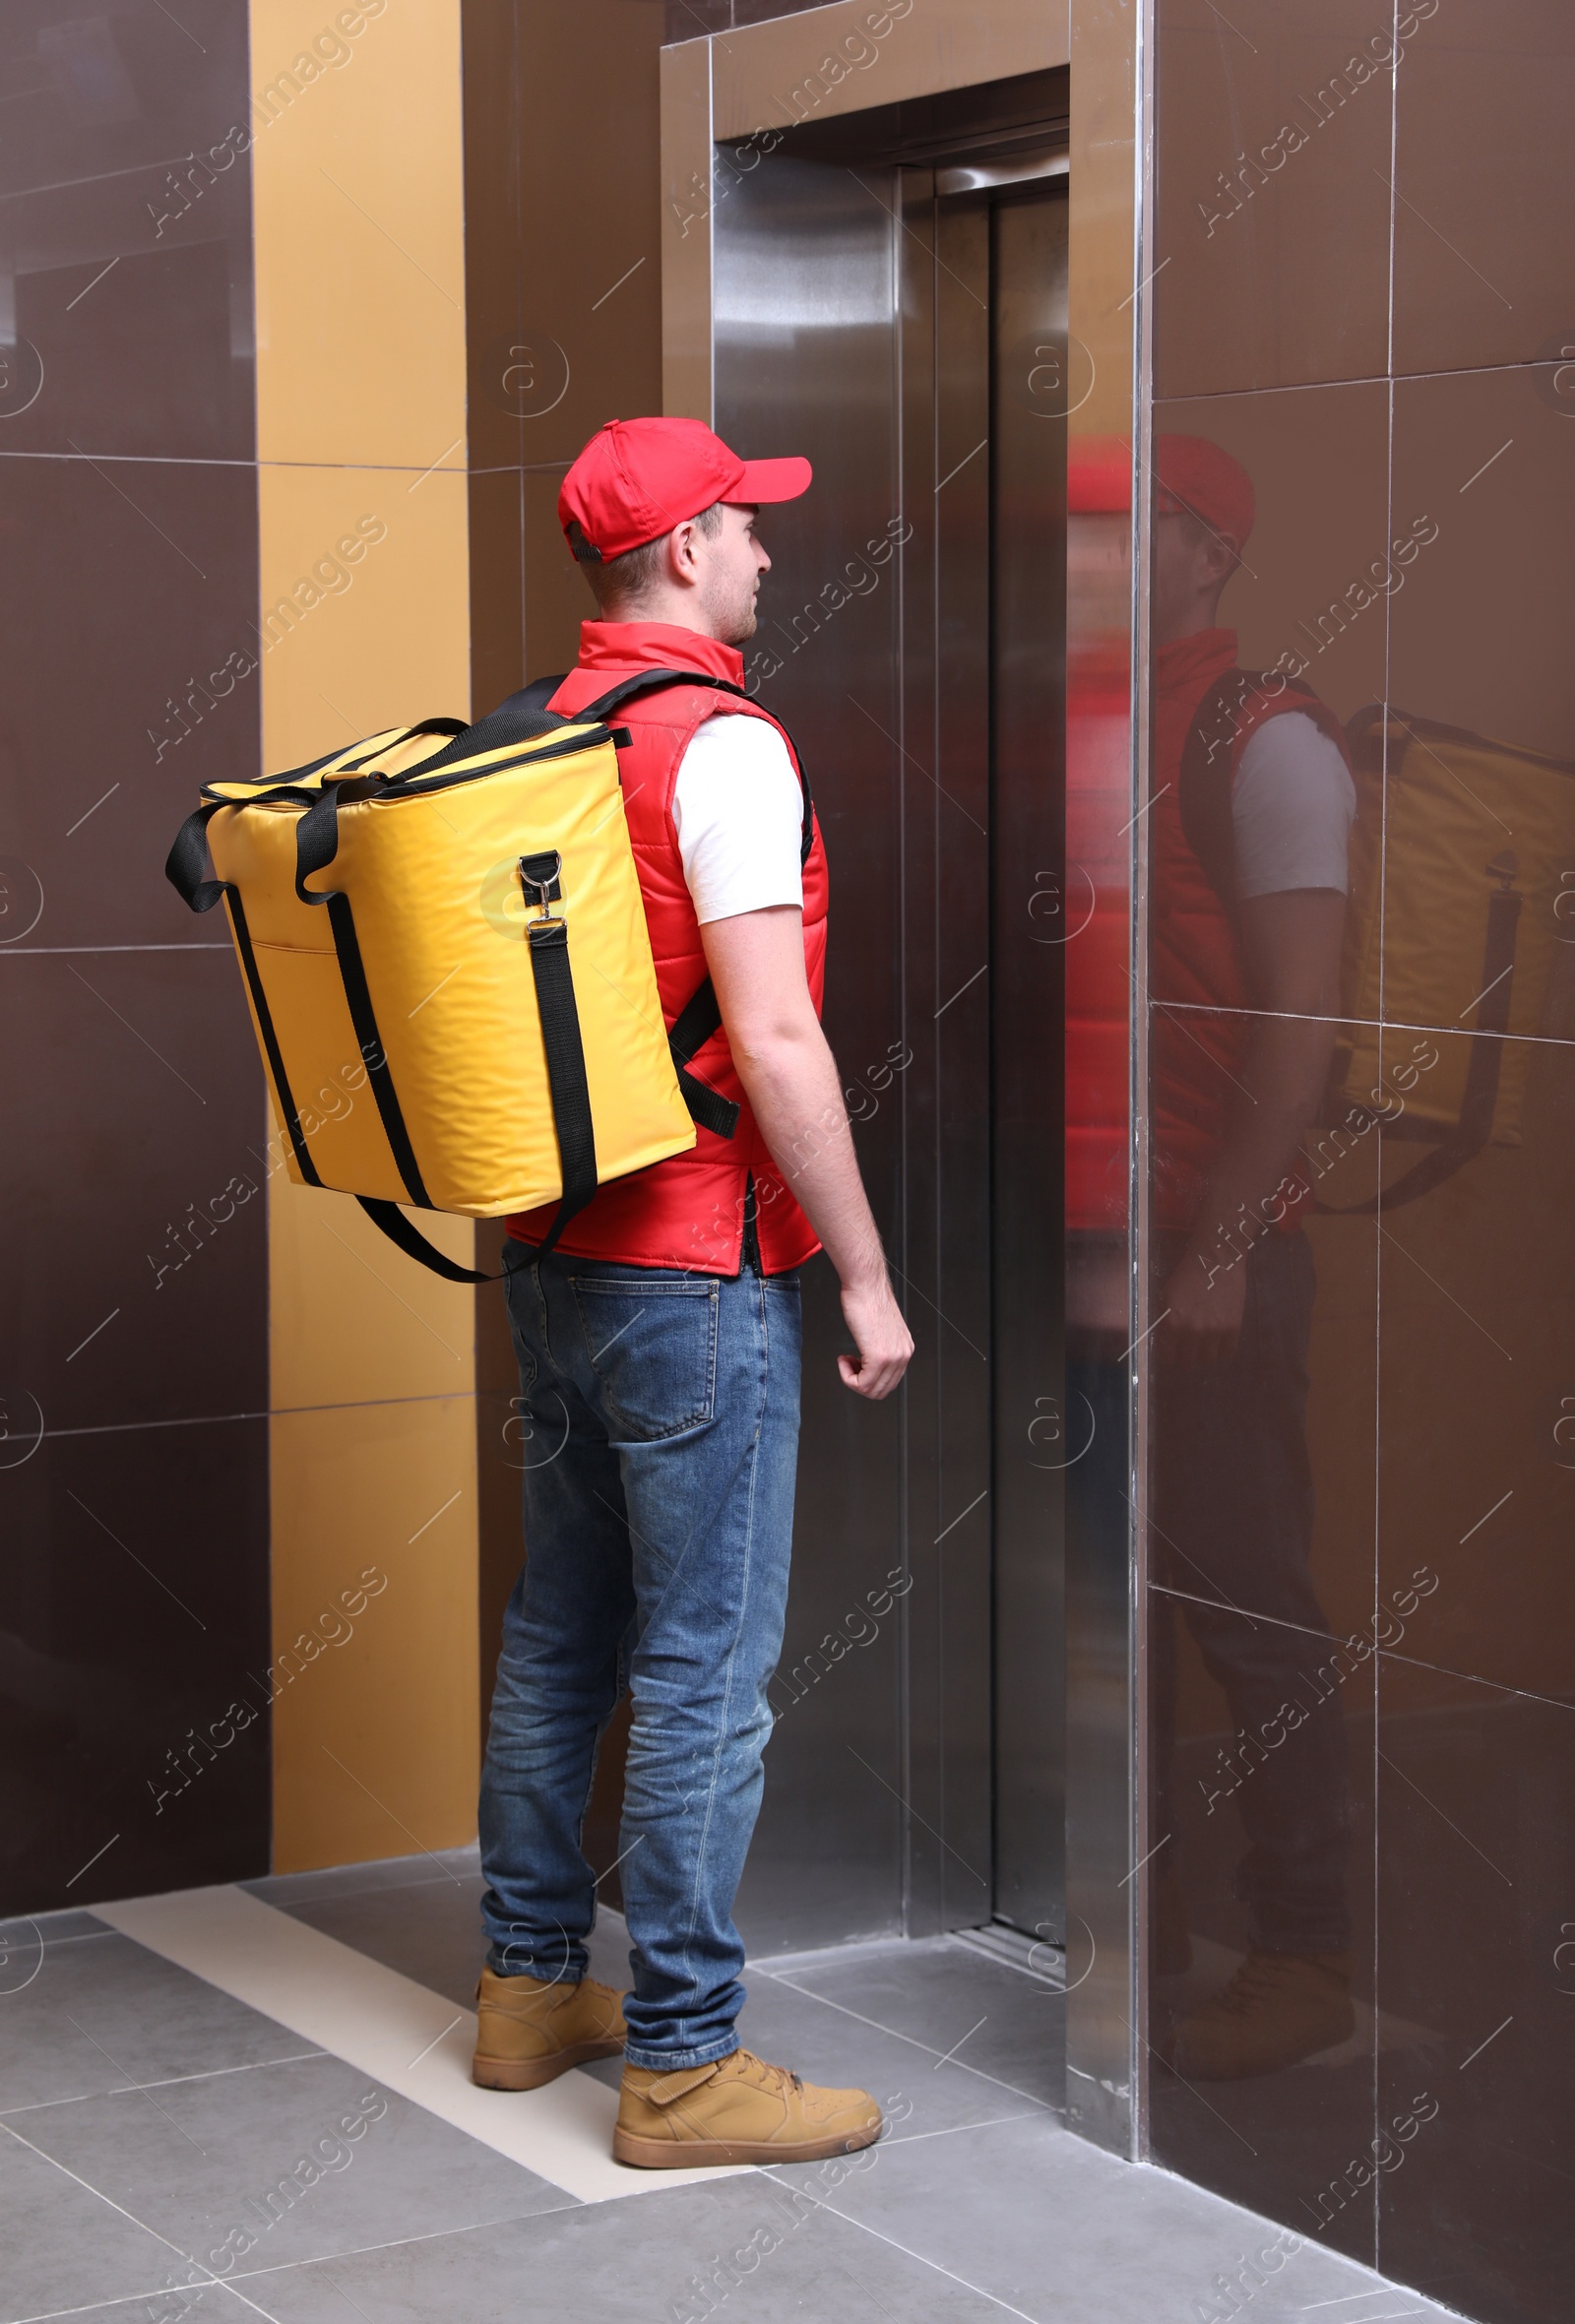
(446, 956)
(1462, 897)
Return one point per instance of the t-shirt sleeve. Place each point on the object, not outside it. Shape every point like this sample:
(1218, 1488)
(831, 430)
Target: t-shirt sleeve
(738, 811)
(1291, 809)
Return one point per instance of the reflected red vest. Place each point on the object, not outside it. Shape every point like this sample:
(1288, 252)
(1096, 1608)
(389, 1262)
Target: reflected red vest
(1195, 957)
(687, 1211)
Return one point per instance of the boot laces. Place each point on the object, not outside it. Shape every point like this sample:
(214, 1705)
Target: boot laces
(769, 2076)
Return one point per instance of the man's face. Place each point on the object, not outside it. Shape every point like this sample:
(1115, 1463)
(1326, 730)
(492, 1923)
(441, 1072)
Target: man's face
(1189, 569)
(731, 562)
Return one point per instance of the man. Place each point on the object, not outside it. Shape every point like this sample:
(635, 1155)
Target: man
(658, 1347)
(1252, 806)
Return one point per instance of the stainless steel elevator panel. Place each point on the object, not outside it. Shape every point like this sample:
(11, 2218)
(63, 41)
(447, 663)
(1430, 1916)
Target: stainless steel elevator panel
(804, 329)
(1029, 930)
(853, 321)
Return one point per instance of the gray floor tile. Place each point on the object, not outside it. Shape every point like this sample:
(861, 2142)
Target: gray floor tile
(28, 1931)
(937, 1992)
(211, 2161)
(104, 2012)
(1055, 2230)
(287, 1889)
(428, 1931)
(795, 2028)
(428, 1928)
(62, 2247)
(645, 2260)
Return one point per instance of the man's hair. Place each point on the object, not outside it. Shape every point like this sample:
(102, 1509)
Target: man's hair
(619, 581)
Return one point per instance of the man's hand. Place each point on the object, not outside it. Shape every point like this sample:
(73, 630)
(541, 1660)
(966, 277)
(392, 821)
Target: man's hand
(882, 1338)
(1206, 1300)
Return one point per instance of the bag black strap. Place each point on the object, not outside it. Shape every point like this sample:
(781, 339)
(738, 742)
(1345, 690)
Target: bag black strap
(510, 722)
(696, 1022)
(183, 870)
(566, 1080)
(187, 862)
(391, 1220)
(701, 1015)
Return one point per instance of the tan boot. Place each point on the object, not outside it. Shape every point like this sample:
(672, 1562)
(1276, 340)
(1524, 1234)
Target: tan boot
(1277, 2009)
(530, 2032)
(737, 2111)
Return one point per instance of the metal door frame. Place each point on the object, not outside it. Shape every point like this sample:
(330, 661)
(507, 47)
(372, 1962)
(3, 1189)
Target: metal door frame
(746, 85)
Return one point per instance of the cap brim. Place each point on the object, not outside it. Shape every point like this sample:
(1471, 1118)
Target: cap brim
(766, 481)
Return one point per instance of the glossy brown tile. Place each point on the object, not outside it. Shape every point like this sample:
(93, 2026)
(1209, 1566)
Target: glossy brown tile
(687, 20)
(134, 1175)
(128, 692)
(133, 1663)
(1261, 1483)
(1484, 246)
(1476, 1873)
(1478, 1383)
(1486, 456)
(1261, 1888)
(755, 12)
(1273, 216)
(127, 197)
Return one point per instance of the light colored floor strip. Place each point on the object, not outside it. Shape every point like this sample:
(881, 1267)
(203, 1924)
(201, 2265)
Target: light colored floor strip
(392, 2029)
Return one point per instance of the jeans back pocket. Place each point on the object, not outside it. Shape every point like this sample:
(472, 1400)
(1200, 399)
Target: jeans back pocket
(653, 1348)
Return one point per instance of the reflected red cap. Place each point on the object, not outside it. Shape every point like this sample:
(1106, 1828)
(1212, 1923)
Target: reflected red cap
(637, 479)
(1193, 476)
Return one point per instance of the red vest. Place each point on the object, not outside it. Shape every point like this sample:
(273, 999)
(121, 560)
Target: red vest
(688, 1211)
(1194, 956)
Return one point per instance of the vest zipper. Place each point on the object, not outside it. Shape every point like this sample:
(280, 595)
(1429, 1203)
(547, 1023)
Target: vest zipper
(751, 1249)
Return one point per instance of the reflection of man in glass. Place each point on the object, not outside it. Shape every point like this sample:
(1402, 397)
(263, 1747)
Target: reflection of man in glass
(1252, 805)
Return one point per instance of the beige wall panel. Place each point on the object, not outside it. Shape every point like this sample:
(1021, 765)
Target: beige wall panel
(359, 232)
(353, 1320)
(375, 1736)
(348, 647)
(359, 229)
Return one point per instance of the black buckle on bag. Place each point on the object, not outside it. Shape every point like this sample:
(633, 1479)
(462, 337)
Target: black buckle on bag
(540, 877)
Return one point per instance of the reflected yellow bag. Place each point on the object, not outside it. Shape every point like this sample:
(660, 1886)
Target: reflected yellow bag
(1462, 891)
(446, 956)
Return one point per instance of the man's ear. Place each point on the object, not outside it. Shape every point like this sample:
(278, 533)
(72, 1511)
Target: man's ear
(1222, 557)
(683, 557)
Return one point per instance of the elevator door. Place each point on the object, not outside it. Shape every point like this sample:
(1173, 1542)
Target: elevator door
(1001, 410)
(1027, 937)
(911, 342)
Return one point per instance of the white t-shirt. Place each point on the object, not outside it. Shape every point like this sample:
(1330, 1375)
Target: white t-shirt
(739, 812)
(1291, 809)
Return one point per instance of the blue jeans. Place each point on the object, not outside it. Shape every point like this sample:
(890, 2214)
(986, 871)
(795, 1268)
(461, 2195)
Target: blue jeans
(661, 1416)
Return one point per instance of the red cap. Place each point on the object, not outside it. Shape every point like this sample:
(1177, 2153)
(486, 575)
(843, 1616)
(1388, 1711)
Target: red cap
(637, 479)
(1193, 476)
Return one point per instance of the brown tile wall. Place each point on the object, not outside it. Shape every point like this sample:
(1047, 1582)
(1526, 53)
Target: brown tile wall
(1363, 297)
(134, 1601)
